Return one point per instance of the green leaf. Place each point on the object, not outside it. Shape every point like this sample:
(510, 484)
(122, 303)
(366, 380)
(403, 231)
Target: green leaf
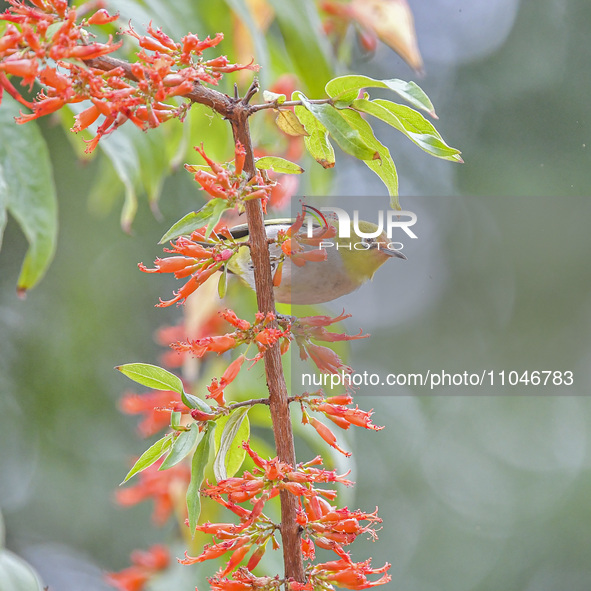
(151, 455)
(195, 219)
(271, 97)
(220, 207)
(181, 447)
(16, 574)
(288, 122)
(198, 465)
(277, 164)
(384, 168)
(412, 124)
(195, 402)
(343, 134)
(152, 376)
(345, 89)
(230, 456)
(175, 421)
(316, 142)
(27, 192)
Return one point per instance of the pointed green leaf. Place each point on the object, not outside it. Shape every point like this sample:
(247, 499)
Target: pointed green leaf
(412, 124)
(316, 142)
(27, 192)
(384, 168)
(212, 210)
(195, 402)
(288, 122)
(230, 456)
(151, 455)
(198, 465)
(280, 165)
(343, 134)
(16, 574)
(181, 447)
(345, 89)
(152, 376)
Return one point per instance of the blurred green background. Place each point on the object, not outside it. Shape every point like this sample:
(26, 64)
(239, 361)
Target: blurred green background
(479, 490)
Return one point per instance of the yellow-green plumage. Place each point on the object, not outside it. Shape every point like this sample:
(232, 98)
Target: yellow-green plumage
(344, 270)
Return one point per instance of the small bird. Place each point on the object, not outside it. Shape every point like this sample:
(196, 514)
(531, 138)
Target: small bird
(347, 265)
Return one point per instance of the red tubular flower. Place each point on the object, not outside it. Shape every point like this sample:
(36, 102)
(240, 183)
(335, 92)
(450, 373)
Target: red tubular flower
(325, 359)
(240, 155)
(351, 575)
(256, 557)
(25, 68)
(231, 317)
(216, 344)
(236, 558)
(186, 290)
(148, 42)
(102, 17)
(162, 37)
(180, 266)
(217, 391)
(41, 108)
(145, 564)
(351, 416)
(162, 486)
(5, 84)
(327, 435)
(85, 118)
(94, 50)
(210, 552)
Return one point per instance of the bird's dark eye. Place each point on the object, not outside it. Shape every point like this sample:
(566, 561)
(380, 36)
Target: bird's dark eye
(369, 240)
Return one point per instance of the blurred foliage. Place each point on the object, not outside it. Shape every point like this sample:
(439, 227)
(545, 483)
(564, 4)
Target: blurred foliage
(477, 493)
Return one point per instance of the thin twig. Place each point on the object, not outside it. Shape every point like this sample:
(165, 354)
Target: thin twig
(248, 403)
(276, 105)
(252, 90)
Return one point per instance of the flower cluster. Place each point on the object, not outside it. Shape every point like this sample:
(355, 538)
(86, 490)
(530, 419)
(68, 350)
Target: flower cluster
(229, 182)
(344, 573)
(322, 524)
(263, 333)
(334, 408)
(145, 564)
(44, 43)
(199, 257)
(313, 327)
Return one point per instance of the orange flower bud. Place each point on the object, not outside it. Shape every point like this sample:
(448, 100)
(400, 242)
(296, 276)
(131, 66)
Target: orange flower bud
(102, 17)
(327, 435)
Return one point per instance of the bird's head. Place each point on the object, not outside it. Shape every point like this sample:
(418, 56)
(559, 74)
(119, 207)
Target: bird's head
(362, 256)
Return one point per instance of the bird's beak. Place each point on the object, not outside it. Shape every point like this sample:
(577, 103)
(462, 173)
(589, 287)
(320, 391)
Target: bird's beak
(394, 253)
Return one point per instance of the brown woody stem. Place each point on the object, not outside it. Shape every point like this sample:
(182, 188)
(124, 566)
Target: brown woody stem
(278, 395)
(237, 112)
